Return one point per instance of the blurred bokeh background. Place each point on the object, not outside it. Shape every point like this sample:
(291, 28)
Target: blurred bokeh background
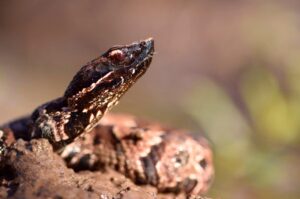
(230, 69)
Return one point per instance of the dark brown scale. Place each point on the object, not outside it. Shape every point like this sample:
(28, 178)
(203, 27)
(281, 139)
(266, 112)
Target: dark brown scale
(149, 163)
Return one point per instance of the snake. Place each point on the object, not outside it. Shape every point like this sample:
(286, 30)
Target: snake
(170, 160)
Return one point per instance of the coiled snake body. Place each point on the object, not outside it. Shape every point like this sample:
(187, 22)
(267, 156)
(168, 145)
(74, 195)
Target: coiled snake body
(168, 159)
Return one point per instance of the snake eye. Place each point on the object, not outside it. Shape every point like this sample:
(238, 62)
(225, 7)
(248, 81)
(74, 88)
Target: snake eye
(117, 55)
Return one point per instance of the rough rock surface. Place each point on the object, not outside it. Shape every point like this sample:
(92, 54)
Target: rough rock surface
(33, 170)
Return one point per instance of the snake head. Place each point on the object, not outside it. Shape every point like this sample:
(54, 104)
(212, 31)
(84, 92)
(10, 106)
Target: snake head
(101, 82)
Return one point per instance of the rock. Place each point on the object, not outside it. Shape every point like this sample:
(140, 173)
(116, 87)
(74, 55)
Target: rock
(33, 170)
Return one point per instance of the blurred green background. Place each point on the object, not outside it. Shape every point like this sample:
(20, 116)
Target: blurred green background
(230, 69)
